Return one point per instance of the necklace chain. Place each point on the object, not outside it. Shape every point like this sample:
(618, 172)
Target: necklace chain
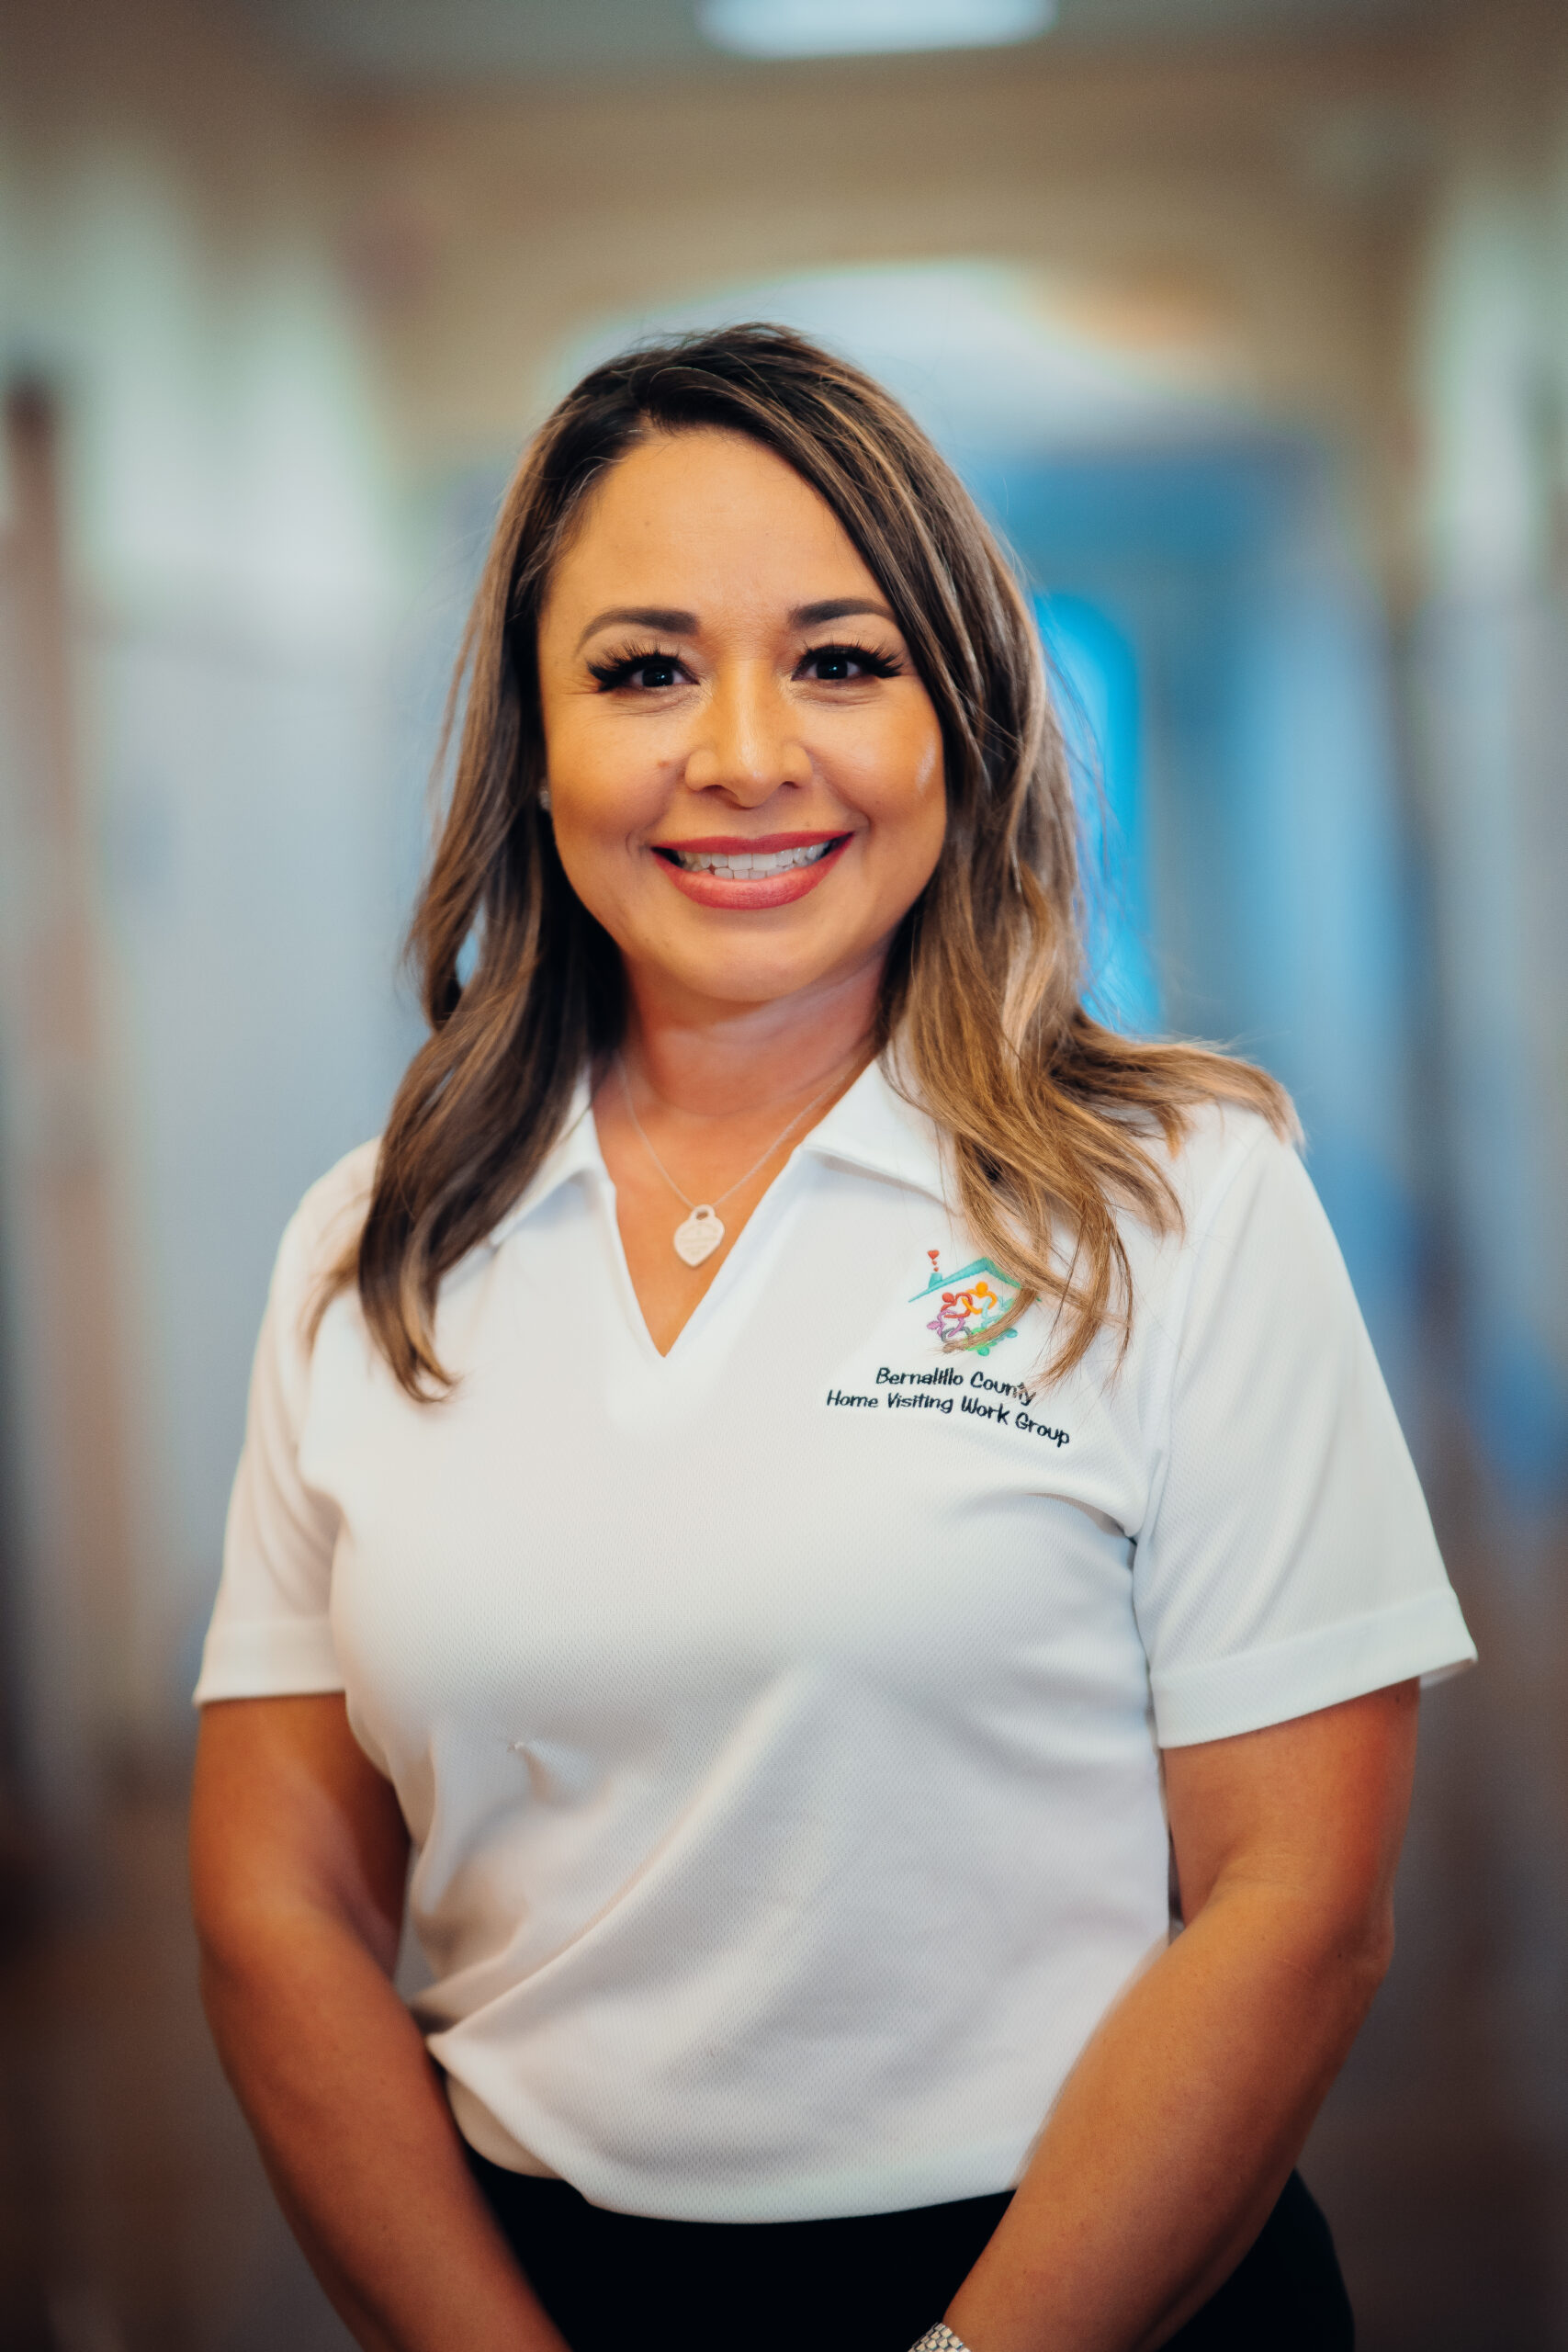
(680, 1196)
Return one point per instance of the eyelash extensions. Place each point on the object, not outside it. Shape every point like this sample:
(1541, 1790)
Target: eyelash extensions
(881, 665)
(620, 669)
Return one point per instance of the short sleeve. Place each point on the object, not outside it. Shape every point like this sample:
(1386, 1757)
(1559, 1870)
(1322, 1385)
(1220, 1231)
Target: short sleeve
(271, 1632)
(1287, 1561)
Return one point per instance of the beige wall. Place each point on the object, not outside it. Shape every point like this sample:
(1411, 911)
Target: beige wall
(1489, 678)
(196, 852)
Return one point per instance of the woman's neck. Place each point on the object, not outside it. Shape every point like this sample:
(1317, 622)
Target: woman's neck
(715, 1097)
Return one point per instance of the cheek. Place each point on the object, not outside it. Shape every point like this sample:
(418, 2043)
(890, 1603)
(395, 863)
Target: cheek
(929, 783)
(904, 788)
(601, 786)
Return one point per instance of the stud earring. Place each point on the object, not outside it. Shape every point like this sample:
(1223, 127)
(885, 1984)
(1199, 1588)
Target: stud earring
(545, 798)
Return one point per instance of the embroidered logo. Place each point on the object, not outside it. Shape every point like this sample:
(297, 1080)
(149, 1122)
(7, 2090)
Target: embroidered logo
(975, 1300)
(973, 1304)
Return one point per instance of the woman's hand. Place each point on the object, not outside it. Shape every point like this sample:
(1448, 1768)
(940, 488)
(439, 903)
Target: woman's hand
(297, 1857)
(1176, 2131)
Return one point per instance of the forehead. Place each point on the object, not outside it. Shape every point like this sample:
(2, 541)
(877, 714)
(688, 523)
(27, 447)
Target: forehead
(703, 516)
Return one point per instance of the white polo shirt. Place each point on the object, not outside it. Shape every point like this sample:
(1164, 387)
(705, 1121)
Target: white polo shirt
(778, 1721)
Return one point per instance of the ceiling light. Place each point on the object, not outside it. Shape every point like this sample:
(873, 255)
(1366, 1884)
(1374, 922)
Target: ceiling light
(859, 27)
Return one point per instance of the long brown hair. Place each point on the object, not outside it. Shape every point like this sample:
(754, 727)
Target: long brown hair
(1050, 1117)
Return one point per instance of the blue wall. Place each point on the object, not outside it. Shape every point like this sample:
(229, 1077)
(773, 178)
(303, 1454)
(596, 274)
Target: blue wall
(1217, 640)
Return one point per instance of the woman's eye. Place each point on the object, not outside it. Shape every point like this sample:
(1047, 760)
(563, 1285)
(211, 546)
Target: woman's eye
(840, 664)
(644, 673)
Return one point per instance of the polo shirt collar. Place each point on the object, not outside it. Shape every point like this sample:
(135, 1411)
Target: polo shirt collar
(875, 1127)
(575, 1152)
(872, 1127)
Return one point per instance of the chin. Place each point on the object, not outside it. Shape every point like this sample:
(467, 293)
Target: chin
(762, 968)
(747, 983)
(742, 973)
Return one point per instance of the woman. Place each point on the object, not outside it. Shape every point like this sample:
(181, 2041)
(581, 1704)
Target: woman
(813, 1488)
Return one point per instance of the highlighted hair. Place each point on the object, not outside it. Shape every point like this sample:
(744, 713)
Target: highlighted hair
(1052, 1120)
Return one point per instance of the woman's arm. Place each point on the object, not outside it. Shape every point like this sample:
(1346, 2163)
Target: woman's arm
(297, 1857)
(1176, 2131)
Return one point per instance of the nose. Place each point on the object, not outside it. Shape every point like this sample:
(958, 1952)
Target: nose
(748, 743)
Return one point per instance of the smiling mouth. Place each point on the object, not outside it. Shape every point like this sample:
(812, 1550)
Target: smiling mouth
(748, 866)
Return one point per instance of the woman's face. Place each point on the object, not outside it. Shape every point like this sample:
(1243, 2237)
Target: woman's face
(745, 772)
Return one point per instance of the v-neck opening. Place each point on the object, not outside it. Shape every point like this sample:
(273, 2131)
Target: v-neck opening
(721, 1282)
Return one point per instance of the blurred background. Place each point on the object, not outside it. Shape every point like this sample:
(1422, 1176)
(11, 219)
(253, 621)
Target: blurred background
(1248, 319)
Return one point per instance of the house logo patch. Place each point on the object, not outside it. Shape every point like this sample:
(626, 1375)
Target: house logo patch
(975, 1300)
(969, 1305)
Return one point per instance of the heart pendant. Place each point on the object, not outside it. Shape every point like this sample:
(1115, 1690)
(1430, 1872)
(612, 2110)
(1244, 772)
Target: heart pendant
(699, 1236)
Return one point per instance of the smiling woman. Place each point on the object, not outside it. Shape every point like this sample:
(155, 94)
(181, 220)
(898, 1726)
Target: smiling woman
(795, 1644)
(810, 712)
(665, 478)
(803, 724)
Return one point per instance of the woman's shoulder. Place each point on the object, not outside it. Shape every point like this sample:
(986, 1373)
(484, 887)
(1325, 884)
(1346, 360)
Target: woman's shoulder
(1220, 1147)
(328, 1218)
(1216, 1165)
(1219, 1140)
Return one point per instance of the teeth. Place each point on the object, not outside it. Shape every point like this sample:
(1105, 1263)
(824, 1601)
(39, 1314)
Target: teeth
(742, 865)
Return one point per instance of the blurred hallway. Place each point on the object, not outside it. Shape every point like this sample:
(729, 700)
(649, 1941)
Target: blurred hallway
(1249, 320)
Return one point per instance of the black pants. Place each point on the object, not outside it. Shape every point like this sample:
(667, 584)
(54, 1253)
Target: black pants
(614, 2282)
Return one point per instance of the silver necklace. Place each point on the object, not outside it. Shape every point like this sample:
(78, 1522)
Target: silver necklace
(699, 1235)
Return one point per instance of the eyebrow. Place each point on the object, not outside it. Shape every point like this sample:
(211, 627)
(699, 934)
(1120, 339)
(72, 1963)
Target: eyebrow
(668, 617)
(676, 623)
(837, 608)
